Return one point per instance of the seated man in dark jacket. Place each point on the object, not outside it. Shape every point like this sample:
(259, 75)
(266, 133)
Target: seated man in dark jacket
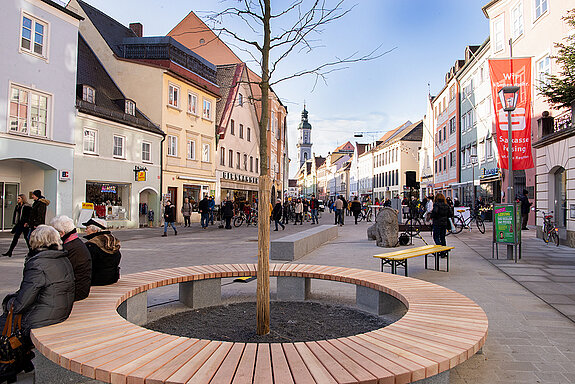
(105, 251)
(78, 254)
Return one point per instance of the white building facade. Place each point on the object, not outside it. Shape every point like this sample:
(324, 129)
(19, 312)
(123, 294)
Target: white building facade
(38, 80)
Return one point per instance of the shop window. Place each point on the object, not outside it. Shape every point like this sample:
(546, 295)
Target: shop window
(90, 141)
(146, 151)
(119, 150)
(111, 200)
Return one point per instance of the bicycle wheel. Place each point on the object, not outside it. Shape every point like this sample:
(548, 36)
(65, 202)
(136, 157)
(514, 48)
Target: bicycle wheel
(254, 220)
(361, 216)
(369, 216)
(480, 224)
(554, 237)
(238, 221)
(412, 227)
(545, 234)
(459, 224)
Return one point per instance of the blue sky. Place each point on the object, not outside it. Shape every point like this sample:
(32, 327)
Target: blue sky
(372, 97)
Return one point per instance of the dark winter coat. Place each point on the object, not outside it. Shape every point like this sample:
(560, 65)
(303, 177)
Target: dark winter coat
(277, 212)
(105, 251)
(204, 205)
(170, 213)
(441, 213)
(228, 209)
(355, 206)
(46, 293)
(525, 205)
(81, 261)
(21, 216)
(38, 213)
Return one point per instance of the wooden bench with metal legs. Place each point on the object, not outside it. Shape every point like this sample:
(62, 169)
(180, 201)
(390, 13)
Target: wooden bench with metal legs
(399, 258)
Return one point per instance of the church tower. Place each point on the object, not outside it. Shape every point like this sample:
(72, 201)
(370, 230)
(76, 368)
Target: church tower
(304, 141)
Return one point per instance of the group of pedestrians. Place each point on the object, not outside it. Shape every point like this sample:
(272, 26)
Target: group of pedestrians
(206, 208)
(59, 269)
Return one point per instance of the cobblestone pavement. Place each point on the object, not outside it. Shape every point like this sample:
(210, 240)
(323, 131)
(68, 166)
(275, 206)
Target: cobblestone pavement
(530, 305)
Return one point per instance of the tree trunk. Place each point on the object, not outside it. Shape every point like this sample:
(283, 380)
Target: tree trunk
(263, 277)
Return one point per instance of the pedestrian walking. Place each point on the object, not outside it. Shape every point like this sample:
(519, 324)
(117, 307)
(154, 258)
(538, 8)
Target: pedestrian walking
(440, 215)
(38, 213)
(21, 222)
(286, 211)
(186, 211)
(105, 252)
(355, 208)
(211, 207)
(298, 212)
(277, 214)
(204, 208)
(525, 208)
(313, 206)
(339, 207)
(228, 212)
(78, 254)
(169, 218)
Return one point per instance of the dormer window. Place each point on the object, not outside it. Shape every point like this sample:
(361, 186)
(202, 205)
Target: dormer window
(130, 107)
(89, 94)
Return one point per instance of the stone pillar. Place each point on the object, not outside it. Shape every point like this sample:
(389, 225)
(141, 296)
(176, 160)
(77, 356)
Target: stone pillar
(293, 288)
(376, 302)
(135, 309)
(201, 293)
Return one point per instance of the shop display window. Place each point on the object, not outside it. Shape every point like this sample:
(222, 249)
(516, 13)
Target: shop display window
(111, 200)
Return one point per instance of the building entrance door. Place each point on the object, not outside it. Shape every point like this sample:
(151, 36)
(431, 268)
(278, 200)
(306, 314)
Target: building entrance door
(8, 201)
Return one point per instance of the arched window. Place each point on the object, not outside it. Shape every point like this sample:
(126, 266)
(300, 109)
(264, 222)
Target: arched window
(304, 156)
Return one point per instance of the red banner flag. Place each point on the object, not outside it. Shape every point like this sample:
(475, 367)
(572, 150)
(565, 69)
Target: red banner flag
(506, 72)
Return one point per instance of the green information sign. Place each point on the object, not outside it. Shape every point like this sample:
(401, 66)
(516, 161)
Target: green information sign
(506, 221)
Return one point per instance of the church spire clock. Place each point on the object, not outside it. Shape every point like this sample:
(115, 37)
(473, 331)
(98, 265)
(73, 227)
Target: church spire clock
(304, 138)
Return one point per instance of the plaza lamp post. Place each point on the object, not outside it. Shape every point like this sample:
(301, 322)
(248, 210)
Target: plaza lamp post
(508, 96)
(473, 159)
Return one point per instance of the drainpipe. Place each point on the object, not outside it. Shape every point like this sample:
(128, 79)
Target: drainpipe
(161, 177)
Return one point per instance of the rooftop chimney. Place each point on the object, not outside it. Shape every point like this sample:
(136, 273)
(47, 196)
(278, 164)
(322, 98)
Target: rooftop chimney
(137, 28)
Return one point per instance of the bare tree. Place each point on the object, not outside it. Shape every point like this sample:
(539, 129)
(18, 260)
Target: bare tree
(273, 38)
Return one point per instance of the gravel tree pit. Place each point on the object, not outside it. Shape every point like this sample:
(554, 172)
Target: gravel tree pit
(289, 322)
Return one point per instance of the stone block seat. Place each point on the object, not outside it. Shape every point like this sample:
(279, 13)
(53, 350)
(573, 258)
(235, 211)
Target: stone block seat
(440, 330)
(296, 246)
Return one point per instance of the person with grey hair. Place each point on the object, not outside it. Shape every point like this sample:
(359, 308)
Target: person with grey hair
(78, 254)
(105, 252)
(46, 293)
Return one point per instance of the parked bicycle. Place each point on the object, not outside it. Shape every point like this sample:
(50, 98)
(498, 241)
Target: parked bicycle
(241, 217)
(550, 231)
(365, 214)
(461, 223)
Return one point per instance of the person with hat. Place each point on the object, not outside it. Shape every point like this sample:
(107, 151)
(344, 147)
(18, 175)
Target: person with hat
(105, 251)
(78, 254)
(38, 213)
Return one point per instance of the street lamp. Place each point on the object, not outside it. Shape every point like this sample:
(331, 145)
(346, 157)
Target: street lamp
(473, 159)
(508, 96)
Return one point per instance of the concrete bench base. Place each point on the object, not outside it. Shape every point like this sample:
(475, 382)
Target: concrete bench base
(298, 245)
(376, 302)
(293, 288)
(440, 378)
(201, 293)
(135, 309)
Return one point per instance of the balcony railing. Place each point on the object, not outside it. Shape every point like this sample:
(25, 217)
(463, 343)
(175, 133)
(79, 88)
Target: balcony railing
(562, 121)
(166, 48)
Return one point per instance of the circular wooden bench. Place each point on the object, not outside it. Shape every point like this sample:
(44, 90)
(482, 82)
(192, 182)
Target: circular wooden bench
(440, 330)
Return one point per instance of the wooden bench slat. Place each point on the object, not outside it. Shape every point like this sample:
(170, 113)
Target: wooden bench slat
(281, 370)
(189, 368)
(361, 374)
(210, 367)
(299, 370)
(245, 372)
(263, 370)
(315, 367)
(162, 374)
(227, 369)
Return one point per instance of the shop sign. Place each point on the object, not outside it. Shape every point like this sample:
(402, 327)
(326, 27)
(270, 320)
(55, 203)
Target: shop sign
(507, 221)
(140, 173)
(64, 175)
(108, 188)
(238, 177)
(88, 206)
(489, 172)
